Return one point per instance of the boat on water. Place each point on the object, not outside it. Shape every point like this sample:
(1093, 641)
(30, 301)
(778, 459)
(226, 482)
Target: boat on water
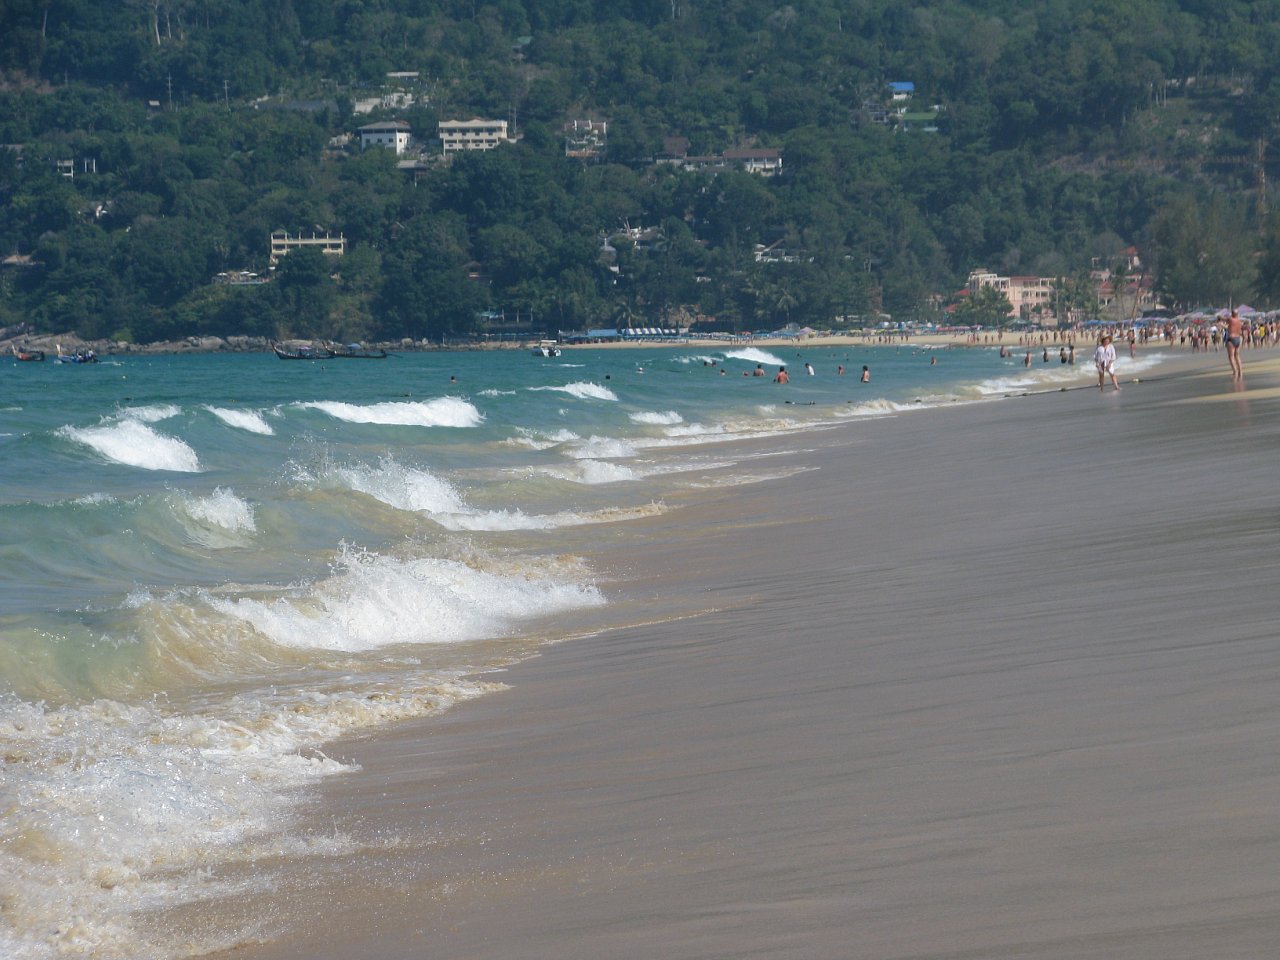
(27, 355)
(357, 351)
(301, 350)
(546, 348)
(80, 356)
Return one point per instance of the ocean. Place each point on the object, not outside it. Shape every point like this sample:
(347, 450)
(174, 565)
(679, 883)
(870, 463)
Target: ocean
(212, 566)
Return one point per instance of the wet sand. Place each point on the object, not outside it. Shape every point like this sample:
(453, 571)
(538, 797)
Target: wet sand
(992, 681)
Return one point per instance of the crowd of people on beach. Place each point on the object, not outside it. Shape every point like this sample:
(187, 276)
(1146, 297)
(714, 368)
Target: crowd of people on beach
(1228, 331)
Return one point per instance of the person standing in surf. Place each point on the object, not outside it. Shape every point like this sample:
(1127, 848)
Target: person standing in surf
(1104, 358)
(1232, 337)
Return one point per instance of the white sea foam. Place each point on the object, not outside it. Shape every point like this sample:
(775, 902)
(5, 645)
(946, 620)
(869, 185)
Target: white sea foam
(497, 393)
(695, 430)
(400, 486)
(499, 520)
(593, 472)
(151, 414)
(540, 439)
(112, 809)
(656, 417)
(878, 407)
(754, 355)
(250, 420)
(1041, 376)
(420, 491)
(94, 499)
(374, 601)
(441, 412)
(598, 448)
(134, 444)
(583, 390)
(220, 519)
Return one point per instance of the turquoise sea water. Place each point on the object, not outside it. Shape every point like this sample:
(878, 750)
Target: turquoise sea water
(212, 565)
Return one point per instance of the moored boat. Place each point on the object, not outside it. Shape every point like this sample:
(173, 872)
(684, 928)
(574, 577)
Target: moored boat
(357, 351)
(546, 348)
(80, 356)
(301, 350)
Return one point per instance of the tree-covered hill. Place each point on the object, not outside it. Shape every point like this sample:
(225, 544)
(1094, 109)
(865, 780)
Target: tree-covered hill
(1039, 138)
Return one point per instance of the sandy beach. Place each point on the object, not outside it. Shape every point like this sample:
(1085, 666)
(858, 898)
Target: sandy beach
(998, 680)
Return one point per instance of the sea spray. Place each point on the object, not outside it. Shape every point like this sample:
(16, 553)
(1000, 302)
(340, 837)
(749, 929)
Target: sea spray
(250, 420)
(581, 390)
(132, 443)
(441, 412)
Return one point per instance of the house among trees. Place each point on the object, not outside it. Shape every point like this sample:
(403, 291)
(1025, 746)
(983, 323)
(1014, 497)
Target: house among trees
(474, 134)
(674, 150)
(585, 139)
(766, 161)
(762, 160)
(396, 94)
(282, 243)
(393, 134)
(896, 106)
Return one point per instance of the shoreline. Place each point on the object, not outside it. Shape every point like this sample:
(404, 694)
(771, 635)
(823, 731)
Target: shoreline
(71, 343)
(934, 724)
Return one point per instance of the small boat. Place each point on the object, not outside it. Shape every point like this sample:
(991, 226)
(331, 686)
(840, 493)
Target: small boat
(546, 348)
(80, 356)
(28, 355)
(356, 351)
(301, 350)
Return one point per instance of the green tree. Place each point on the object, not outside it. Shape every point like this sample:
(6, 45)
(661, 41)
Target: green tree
(1204, 252)
(988, 307)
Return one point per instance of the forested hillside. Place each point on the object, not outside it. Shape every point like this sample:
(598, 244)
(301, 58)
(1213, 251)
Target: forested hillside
(1065, 131)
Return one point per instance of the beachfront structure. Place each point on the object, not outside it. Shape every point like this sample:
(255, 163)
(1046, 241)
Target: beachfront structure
(394, 135)
(474, 134)
(282, 243)
(1027, 296)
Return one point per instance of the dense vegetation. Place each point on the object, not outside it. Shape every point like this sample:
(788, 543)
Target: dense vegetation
(1070, 129)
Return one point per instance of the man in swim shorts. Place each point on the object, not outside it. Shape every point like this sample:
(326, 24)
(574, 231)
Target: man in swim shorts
(1232, 337)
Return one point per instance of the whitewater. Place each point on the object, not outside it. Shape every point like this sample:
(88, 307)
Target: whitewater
(213, 566)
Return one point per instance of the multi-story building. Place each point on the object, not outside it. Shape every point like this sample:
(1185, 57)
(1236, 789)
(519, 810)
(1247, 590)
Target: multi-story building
(1029, 297)
(282, 243)
(475, 134)
(393, 134)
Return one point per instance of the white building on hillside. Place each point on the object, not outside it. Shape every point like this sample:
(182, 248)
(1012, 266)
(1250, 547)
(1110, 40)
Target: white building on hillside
(475, 134)
(394, 134)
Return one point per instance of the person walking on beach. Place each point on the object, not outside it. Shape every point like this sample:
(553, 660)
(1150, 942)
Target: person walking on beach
(1232, 337)
(1104, 358)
